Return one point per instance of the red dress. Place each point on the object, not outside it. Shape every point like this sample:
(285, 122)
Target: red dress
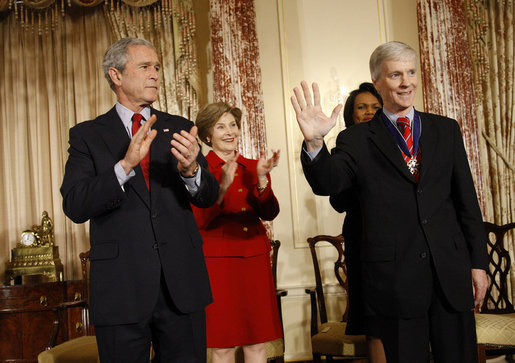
(237, 252)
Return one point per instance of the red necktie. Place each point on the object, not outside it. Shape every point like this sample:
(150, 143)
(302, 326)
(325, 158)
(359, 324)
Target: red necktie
(145, 162)
(412, 161)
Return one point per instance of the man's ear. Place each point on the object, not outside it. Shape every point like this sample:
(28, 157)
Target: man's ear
(115, 75)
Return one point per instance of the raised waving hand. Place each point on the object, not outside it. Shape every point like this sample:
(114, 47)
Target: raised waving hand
(313, 122)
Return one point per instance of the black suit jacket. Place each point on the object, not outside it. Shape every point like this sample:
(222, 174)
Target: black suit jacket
(136, 236)
(406, 225)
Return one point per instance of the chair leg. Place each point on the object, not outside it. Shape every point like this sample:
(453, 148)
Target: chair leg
(317, 358)
(481, 353)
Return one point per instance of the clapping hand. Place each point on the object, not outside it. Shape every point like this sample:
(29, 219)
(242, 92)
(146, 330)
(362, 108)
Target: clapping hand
(139, 146)
(264, 166)
(228, 171)
(185, 148)
(313, 123)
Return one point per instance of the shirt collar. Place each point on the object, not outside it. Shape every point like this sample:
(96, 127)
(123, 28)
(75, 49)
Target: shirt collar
(393, 117)
(126, 115)
(215, 160)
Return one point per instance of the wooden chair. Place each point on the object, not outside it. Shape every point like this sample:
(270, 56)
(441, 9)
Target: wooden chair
(82, 349)
(495, 324)
(328, 338)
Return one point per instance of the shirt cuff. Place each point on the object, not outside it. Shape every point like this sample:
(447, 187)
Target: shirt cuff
(193, 184)
(120, 174)
(312, 154)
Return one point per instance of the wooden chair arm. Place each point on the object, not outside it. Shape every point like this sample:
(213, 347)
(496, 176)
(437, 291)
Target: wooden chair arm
(314, 310)
(56, 325)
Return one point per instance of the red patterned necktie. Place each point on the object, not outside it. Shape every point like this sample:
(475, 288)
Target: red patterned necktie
(145, 162)
(413, 162)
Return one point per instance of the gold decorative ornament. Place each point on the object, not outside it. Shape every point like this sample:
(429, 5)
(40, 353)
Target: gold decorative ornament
(35, 257)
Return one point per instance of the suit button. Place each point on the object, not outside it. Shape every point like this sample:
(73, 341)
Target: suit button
(243, 209)
(240, 190)
(419, 191)
(155, 246)
(423, 255)
(424, 221)
(154, 215)
(245, 229)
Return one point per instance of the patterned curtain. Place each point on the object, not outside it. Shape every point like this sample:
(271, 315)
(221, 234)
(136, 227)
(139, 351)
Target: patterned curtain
(236, 70)
(237, 74)
(52, 79)
(170, 26)
(467, 51)
(446, 72)
(492, 44)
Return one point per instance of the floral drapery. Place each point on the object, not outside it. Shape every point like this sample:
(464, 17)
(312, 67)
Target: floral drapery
(237, 73)
(467, 56)
(236, 69)
(447, 72)
(492, 43)
(52, 79)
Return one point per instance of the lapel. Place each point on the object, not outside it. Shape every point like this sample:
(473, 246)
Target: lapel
(117, 140)
(428, 144)
(161, 157)
(382, 138)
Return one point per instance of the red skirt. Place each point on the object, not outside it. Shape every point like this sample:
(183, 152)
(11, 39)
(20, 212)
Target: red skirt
(244, 310)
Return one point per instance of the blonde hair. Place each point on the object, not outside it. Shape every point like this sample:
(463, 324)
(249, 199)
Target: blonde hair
(386, 51)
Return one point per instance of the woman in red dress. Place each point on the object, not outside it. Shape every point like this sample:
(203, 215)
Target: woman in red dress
(236, 246)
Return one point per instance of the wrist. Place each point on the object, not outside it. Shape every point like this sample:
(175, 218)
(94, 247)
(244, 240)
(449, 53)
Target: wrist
(194, 172)
(314, 144)
(262, 186)
(126, 167)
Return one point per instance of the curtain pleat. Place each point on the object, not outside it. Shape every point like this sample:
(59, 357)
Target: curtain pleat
(236, 69)
(237, 72)
(170, 27)
(50, 82)
(446, 72)
(492, 41)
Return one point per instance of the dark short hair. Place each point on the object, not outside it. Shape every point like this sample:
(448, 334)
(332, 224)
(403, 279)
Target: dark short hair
(117, 55)
(210, 114)
(348, 110)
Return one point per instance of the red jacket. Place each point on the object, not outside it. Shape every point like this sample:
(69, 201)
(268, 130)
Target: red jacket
(235, 228)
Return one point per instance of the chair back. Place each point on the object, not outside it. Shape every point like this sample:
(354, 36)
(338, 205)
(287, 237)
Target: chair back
(497, 298)
(340, 272)
(273, 258)
(84, 263)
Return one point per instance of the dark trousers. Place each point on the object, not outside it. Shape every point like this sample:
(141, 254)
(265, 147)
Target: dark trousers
(450, 334)
(175, 337)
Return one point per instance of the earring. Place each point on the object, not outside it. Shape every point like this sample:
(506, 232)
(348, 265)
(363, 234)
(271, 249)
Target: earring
(208, 139)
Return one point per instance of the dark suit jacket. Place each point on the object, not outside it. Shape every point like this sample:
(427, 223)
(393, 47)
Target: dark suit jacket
(135, 234)
(406, 225)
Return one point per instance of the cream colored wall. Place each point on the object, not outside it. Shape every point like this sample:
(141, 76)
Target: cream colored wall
(327, 41)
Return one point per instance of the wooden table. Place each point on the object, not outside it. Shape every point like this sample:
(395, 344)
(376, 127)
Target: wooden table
(26, 318)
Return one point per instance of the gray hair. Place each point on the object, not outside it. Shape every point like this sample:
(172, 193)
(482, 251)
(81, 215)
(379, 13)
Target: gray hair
(389, 51)
(117, 56)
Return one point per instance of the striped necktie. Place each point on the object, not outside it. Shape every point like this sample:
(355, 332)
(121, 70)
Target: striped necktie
(412, 161)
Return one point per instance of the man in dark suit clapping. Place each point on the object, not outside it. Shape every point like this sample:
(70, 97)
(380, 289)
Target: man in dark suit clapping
(423, 250)
(132, 173)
